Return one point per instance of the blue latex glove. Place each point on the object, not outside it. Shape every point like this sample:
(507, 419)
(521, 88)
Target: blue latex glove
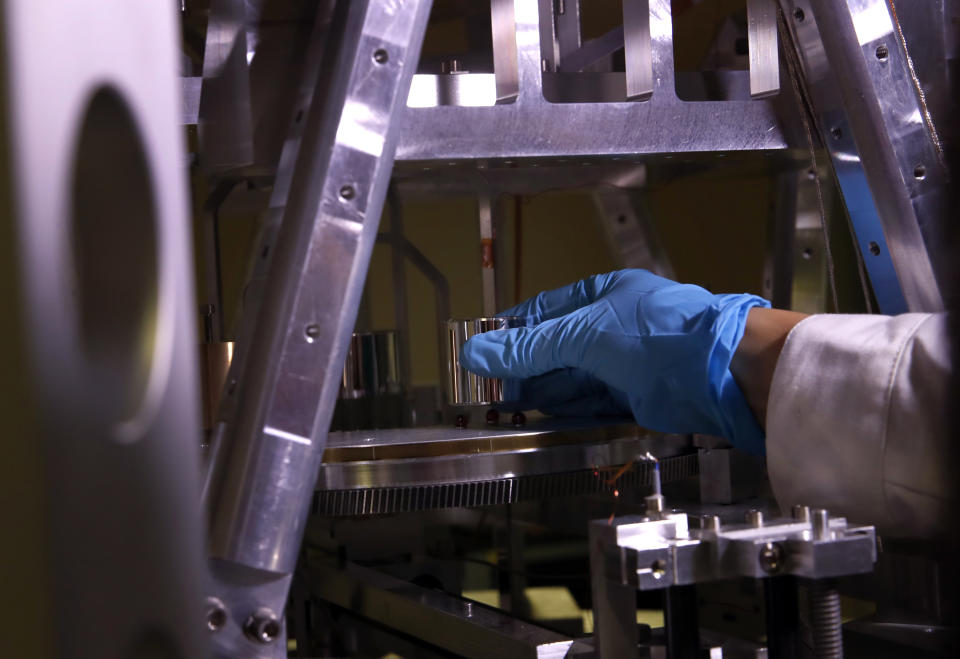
(629, 340)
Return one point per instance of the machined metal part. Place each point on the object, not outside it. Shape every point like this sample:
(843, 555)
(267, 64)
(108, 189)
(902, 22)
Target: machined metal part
(429, 468)
(100, 369)
(275, 426)
(372, 366)
(458, 626)
(662, 552)
(763, 47)
(885, 149)
(464, 387)
(215, 361)
(532, 126)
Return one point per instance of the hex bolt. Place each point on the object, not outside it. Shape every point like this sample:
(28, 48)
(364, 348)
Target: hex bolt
(216, 614)
(800, 513)
(262, 626)
(771, 557)
(710, 523)
(755, 518)
(821, 524)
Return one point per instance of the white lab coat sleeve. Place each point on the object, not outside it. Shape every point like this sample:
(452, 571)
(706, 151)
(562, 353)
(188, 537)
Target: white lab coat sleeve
(857, 420)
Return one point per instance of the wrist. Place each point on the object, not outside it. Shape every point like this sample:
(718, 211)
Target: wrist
(755, 359)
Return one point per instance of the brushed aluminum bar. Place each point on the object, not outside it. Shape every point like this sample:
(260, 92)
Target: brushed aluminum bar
(637, 49)
(505, 68)
(287, 389)
(881, 138)
(763, 46)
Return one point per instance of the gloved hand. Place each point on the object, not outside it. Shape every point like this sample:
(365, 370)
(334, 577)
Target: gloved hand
(629, 340)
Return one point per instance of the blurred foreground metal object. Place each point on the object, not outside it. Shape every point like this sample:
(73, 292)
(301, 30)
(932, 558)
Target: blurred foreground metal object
(97, 297)
(274, 422)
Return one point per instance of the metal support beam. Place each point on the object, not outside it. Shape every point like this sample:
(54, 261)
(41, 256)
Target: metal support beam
(274, 429)
(886, 152)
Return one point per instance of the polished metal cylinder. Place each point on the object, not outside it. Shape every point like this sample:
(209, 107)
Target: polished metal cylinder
(372, 366)
(463, 387)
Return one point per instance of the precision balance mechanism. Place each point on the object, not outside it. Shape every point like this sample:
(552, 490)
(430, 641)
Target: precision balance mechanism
(360, 173)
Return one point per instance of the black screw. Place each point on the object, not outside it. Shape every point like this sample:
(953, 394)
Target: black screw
(874, 248)
(312, 331)
(883, 53)
(493, 417)
(771, 557)
(348, 192)
(799, 15)
(461, 421)
(380, 56)
(519, 419)
(836, 132)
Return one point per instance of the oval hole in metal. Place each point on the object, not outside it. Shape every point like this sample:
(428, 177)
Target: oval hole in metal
(113, 232)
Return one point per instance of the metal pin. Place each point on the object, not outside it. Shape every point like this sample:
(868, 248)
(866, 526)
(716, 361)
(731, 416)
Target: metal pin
(821, 524)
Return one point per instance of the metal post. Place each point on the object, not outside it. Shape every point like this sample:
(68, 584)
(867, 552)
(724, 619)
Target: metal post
(261, 477)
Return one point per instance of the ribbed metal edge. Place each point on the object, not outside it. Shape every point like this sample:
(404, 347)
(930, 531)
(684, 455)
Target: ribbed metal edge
(415, 498)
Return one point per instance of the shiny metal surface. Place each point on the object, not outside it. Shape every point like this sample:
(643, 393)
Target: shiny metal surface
(463, 387)
(286, 394)
(99, 374)
(880, 136)
(458, 626)
(372, 366)
(505, 66)
(392, 471)
(534, 127)
(275, 418)
(225, 115)
(637, 49)
(763, 47)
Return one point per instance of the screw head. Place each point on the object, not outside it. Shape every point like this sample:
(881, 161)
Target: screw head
(262, 626)
(874, 248)
(798, 15)
(519, 419)
(312, 331)
(493, 417)
(348, 192)
(771, 557)
(461, 421)
(883, 52)
(216, 614)
(380, 56)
